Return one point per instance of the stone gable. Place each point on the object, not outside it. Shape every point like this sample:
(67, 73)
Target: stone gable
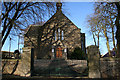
(57, 32)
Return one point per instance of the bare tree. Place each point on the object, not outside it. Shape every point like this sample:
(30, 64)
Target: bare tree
(107, 14)
(18, 15)
(93, 22)
(103, 22)
(118, 28)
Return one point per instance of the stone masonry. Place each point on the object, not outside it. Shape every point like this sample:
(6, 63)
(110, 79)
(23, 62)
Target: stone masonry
(57, 32)
(20, 67)
(93, 61)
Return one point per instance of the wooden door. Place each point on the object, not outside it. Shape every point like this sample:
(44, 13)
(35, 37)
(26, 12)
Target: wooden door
(58, 52)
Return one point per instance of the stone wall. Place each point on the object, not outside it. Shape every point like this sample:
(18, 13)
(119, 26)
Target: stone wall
(110, 67)
(79, 66)
(102, 67)
(45, 63)
(11, 66)
(20, 67)
(66, 67)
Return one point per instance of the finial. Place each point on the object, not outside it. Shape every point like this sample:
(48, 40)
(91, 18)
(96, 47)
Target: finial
(58, 5)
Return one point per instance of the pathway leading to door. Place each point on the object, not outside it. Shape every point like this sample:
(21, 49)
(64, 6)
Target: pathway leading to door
(58, 68)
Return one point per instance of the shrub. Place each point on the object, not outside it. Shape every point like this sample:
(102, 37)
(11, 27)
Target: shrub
(78, 54)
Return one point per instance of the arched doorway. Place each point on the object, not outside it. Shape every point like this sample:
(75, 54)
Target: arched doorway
(59, 52)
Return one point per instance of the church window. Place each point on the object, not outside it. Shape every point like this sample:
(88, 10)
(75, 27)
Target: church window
(59, 33)
(62, 35)
(55, 36)
(65, 50)
(52, 50)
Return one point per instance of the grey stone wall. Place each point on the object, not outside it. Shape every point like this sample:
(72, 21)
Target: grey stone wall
(40, 63)
(110, 67)
(79, 66)
(48, 67)
(11, 66)
(21, 67)
(102, 67)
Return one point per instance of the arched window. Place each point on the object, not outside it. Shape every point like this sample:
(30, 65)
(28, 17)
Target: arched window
(62, 35)
(55, 36)
(59, 33)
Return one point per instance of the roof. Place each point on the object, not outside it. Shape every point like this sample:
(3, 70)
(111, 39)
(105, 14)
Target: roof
(57, 16)
(6, 52)
(113, 53)
(34, 27)
(32, 30)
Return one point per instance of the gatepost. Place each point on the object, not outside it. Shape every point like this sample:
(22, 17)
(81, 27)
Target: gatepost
(93, 61)
(27, 61)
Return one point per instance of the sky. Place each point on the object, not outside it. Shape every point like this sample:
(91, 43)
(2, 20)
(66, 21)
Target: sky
(77, 12)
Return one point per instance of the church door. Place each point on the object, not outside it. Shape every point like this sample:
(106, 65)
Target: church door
(59, 52)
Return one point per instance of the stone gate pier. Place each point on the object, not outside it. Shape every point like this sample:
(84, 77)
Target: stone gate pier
(93, 62)
(19, 67)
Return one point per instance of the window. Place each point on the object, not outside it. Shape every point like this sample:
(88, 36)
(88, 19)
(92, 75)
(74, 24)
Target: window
(55, 36)
(62, 35)
(52, 50)
(59, 33)
(65, 50)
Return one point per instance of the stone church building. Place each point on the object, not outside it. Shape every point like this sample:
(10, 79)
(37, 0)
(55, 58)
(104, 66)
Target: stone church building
(57, 38)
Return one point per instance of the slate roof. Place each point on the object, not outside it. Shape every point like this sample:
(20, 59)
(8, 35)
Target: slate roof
(59, 14)
(32, 30)
(113, 53)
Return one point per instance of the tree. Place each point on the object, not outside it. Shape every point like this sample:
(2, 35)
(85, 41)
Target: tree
(117, 22)
(18, 15)
(78, 54)
(93, 23)
(108, 13)
(103, 22)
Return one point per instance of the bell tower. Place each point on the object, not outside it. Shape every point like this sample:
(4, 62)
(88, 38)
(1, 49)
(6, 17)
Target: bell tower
(59, 6)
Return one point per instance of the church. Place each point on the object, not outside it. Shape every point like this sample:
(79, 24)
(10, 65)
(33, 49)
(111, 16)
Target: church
(56, 38)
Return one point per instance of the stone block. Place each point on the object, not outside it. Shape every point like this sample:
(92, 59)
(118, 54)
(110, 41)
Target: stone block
(93, 61)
